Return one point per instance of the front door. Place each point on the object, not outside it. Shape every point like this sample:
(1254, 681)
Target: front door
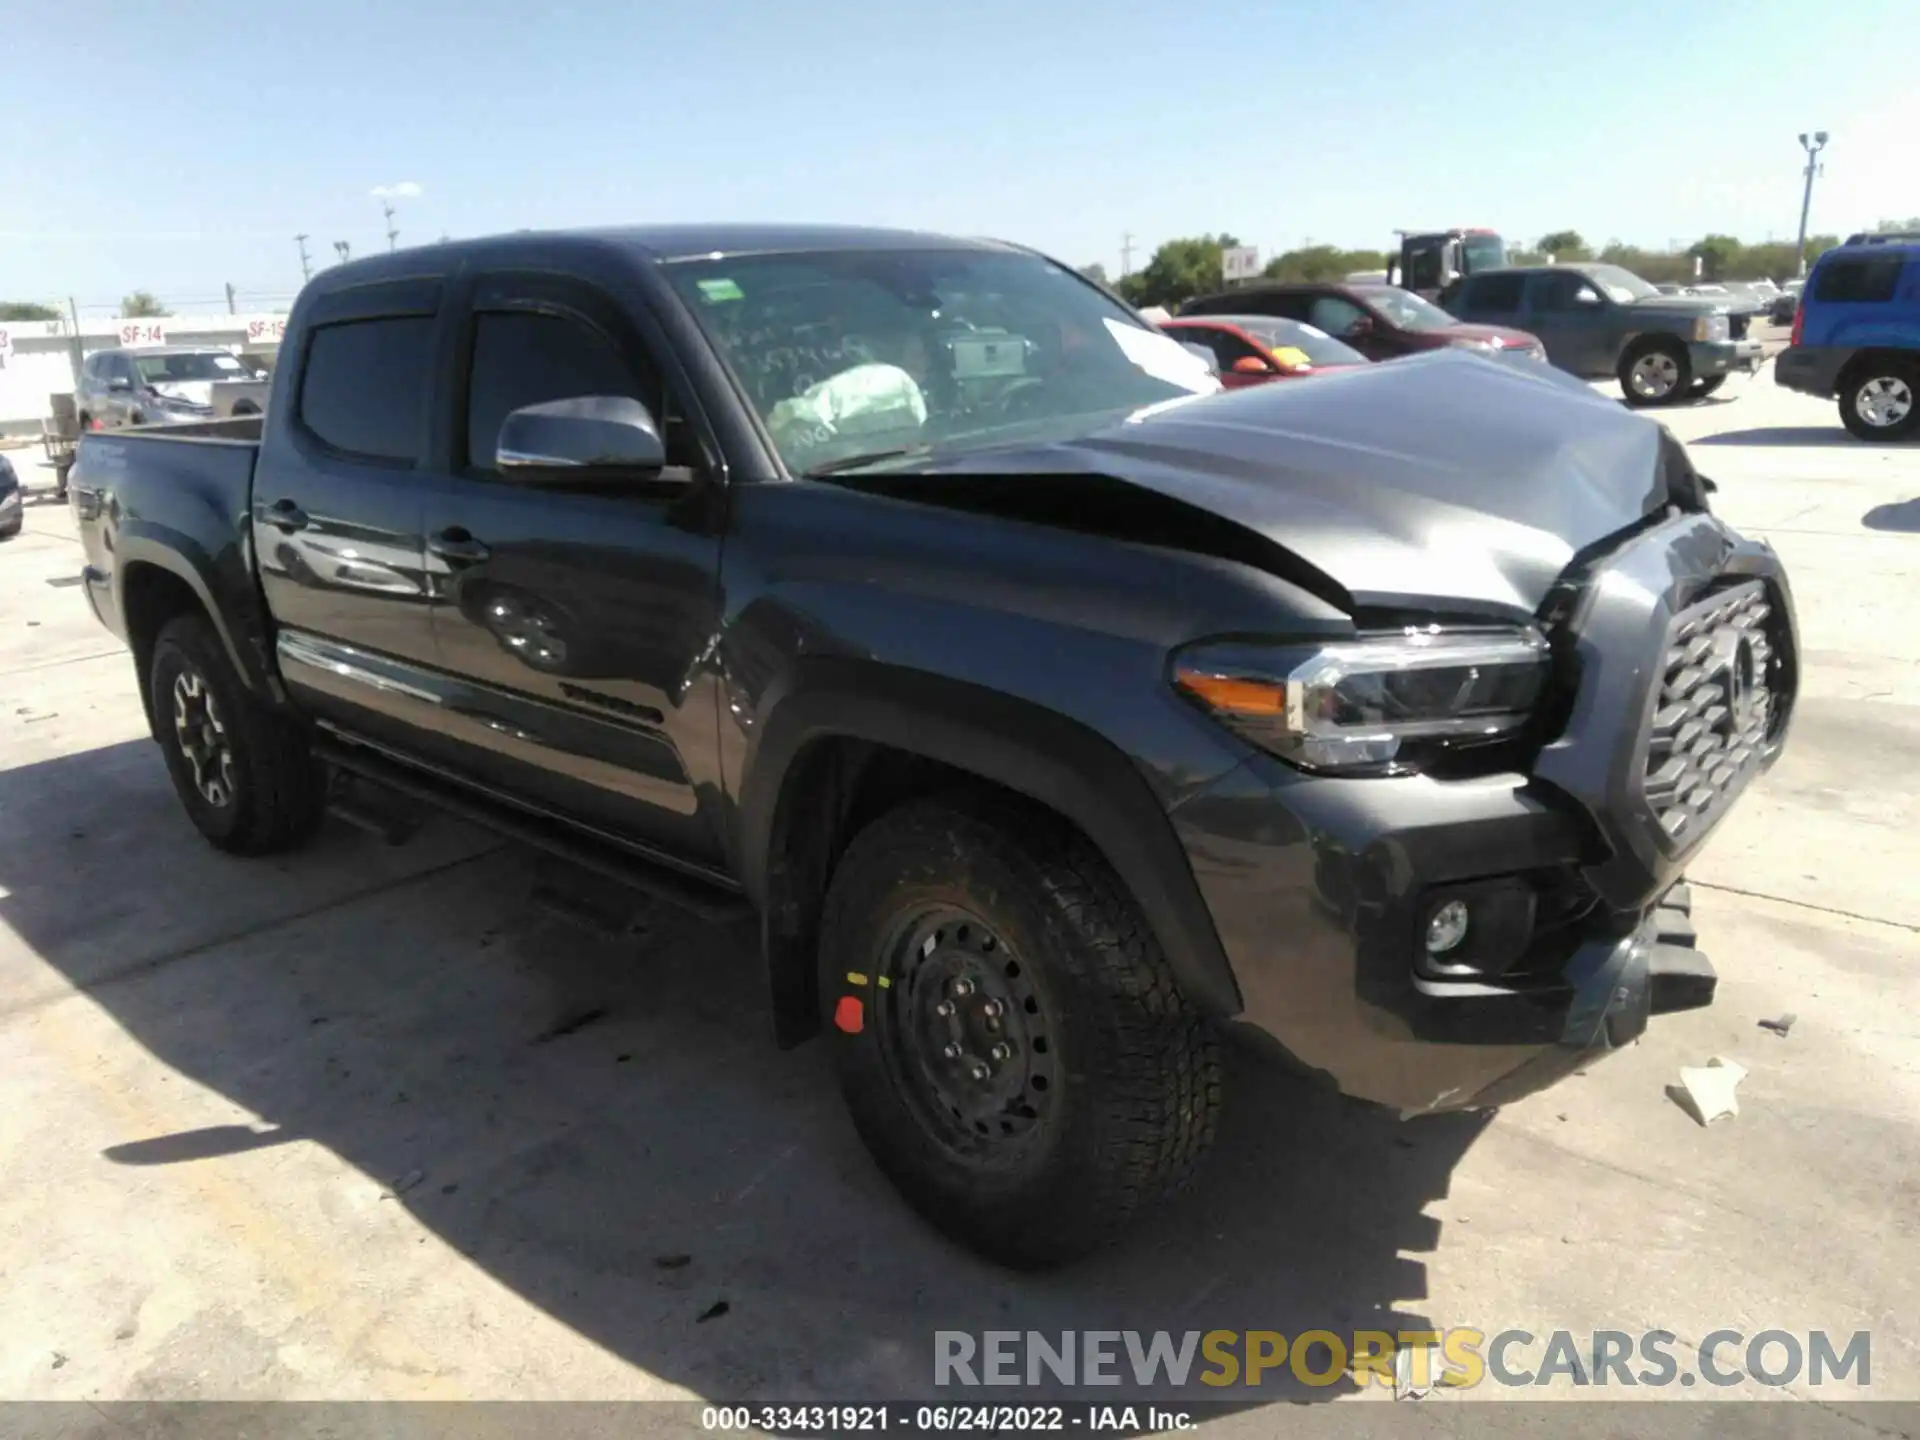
(1570, 315)
(1356, 326)
(577, 622)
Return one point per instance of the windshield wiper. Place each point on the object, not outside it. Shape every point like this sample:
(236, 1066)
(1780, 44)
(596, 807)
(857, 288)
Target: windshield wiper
(859, 462)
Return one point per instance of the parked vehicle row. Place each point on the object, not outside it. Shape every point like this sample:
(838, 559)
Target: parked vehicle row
(1055, 711)
(1380, 321)
(164, 384)
(1856, 335)
(1600, 320)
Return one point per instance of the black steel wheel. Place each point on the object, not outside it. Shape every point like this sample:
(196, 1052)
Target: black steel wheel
(1013, 1046)
(963, 1030)
(245, 774)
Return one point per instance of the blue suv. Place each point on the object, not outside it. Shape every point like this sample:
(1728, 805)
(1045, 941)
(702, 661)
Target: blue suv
(1857, 335)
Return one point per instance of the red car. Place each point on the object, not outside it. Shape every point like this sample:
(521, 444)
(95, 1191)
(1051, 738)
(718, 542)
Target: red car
(1380, 321)
(1253, 349)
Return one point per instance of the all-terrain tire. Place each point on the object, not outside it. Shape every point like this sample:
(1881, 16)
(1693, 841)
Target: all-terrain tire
(274, 789)
(1136, 1071)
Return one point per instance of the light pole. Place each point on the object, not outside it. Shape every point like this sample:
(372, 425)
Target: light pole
(1813, 144)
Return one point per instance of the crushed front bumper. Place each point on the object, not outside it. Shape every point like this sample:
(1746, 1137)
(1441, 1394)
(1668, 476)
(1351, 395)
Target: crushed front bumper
(1321, 888)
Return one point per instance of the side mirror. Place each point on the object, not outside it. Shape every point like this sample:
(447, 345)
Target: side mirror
(119, 382)
(1201, 352)
(1252, 365)
(587, 437)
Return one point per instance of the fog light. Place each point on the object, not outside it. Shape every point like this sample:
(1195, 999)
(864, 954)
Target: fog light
(1447, 927)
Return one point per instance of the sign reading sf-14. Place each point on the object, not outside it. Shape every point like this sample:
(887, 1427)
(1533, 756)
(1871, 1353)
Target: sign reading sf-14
(143, 332)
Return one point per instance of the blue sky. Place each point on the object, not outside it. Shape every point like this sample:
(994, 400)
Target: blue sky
(179, 145)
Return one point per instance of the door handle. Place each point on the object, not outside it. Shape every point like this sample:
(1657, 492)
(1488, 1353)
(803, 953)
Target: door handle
(457, 547)
(285, 515)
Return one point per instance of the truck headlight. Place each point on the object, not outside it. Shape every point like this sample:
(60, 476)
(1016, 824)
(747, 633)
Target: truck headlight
(1358, 705)
(1711, 327)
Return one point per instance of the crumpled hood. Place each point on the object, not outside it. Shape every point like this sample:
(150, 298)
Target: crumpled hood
(1440, 482)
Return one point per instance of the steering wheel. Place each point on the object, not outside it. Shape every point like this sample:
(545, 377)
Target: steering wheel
(1017, 401)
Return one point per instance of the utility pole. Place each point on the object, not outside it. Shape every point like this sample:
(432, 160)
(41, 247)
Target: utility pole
(393, 235)
(1813, 146)
(230, 306)
(1126, 254)
(306, 265)
(77, 350)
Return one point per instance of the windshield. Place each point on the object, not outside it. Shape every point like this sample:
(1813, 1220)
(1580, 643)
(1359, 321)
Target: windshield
(1319, 347)
(200, 365)
(1406, 310)
(853, 352)
(1483, 252)
(1622, 286)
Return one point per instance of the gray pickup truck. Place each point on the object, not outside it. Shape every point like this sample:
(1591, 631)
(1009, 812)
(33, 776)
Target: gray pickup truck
(1601, 320)
(1056, 713)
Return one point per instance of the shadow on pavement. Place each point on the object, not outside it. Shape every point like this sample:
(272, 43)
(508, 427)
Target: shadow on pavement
(607, 1129)
(1782, 435)
(1903, 516)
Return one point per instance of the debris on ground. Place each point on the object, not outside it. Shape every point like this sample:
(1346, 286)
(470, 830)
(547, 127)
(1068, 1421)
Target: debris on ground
(712, 1312)
(1404, 1386)
(672, 1262)
(1706, 1091)
(405, 1183)
(59, 1360)
(1781, 1026)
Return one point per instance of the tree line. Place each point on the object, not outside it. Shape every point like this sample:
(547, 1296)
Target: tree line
(1183, 268)
(140, 305)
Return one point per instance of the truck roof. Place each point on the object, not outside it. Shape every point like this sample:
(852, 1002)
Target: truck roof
(657, 243)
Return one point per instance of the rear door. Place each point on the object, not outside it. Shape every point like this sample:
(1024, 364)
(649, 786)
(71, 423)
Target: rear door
(1573, 319)
(337, 506)
(1492, 299)
(576, 622)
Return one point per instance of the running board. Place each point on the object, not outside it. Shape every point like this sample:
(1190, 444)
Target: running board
(607, 860)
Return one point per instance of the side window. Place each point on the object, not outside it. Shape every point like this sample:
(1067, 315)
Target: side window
(523, 358)
(1563, 293)
(365, 387)
(1495, 294)
(1333, 314)
(1870, 280)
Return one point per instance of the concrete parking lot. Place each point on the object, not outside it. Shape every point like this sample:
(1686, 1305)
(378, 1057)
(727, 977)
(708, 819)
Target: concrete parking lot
(363, 1123)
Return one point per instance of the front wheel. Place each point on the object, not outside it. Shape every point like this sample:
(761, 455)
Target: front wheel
(247, 777)
(1012, 1044)
(1878, 402)
(1654, 372)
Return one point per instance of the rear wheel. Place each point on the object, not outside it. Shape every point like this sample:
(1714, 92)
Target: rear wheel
(1654, 372)
(1877, 402)
(1011, 1042)
(246, 775)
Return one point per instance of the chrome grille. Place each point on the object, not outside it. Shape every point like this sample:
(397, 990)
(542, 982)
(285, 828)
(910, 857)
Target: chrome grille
(1714, 710)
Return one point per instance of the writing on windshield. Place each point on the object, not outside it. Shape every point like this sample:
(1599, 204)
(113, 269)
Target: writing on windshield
(855, 352)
